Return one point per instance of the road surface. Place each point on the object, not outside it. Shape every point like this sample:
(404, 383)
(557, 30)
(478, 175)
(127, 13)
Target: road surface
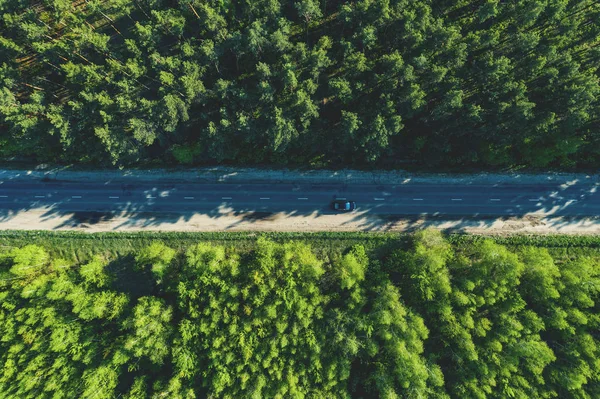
(56, 199)
(408, 199)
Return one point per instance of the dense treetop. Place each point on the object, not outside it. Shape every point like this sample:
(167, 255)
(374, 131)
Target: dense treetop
(305, 82)
(427, 320)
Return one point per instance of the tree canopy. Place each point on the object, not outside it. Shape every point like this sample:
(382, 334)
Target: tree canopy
(428, 319)
(320, 82)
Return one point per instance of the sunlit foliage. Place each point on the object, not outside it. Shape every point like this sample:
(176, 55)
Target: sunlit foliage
(429, 320)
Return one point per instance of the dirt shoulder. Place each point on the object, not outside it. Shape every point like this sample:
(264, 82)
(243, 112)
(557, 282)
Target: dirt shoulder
(102, 222)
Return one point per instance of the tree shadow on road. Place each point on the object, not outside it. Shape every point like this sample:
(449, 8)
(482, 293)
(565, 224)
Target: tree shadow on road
(146, 209)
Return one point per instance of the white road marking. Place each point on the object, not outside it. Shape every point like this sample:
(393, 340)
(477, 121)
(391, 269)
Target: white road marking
(417, 199)
(3, 196)
(150, 197)
(188, 198)
(379, 199)
(534, 200)
(456, 199)
(226, 198)
(341, 198)
(113, 197)
(40, 196)
(265, 198)
(495, 199)
(302, 198)
(76, 196)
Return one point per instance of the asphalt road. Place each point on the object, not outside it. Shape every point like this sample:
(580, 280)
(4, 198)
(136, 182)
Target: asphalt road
(494, 200)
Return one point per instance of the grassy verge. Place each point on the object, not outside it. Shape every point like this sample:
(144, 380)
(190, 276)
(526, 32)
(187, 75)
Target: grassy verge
(80, 246)
(77, 245)
(561, 247)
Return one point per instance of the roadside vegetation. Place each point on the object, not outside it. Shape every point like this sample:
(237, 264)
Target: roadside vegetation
(284, 315)
(311, 82)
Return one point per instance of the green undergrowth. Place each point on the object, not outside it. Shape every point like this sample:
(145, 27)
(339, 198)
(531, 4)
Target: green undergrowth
(81, 245)
(560, 246)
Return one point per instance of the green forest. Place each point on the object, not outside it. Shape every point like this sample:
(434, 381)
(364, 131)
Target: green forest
(319, 83)
(419, 316)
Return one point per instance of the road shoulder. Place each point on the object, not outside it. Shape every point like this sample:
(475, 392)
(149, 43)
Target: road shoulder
(274, 176)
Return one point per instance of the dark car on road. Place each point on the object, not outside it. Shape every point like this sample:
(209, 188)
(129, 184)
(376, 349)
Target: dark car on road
(343, 205)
